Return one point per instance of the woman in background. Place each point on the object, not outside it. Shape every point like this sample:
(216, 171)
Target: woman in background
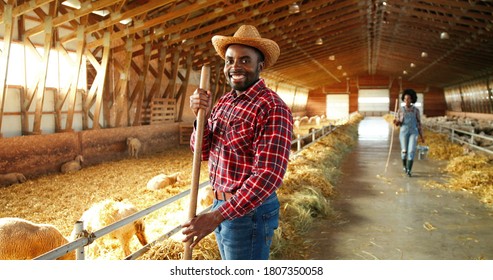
(408, 118)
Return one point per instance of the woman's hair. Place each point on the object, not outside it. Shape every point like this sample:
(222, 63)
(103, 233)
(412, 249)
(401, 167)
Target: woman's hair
(411, 93)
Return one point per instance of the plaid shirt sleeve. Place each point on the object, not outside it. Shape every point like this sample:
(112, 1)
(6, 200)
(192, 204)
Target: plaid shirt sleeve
(271, 147)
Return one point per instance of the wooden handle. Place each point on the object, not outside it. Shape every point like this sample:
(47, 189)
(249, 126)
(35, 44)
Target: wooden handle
(392, 137)
(199, 133)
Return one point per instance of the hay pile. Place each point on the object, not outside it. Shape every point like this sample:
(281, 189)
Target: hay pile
(440, 147)
(472, 172)
(307, 188)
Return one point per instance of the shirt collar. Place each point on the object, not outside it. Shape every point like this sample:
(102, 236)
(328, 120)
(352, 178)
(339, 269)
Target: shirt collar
(252, 91)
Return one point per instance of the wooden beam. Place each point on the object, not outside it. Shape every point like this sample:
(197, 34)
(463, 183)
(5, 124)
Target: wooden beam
(122, 110)
(4, 58)
(101, 80)
(174, 73)
(116, 17)
(75, 78)
(142, 82)
(158, 21)
(44, 74)
(200, 20)
(184, 86)
(156, 87)
(24, 8)
(86, 8)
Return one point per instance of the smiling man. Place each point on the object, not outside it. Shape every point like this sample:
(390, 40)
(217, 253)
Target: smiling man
(246, 142)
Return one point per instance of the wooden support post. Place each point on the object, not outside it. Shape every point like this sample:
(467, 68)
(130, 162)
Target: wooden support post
(40, 93)
(72, 94)
(4, 58)
(102, 78)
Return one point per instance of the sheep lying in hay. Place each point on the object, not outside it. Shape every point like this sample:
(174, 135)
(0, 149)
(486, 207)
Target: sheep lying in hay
(133, 145)
(12, 178)
(73, 165)
(24, 240)
(162, 180)
(106, 213)
(205, 196)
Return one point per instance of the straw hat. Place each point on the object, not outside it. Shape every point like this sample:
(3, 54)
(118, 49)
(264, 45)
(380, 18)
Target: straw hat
(248, 35)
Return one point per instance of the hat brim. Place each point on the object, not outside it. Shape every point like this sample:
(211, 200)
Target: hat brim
(269, 48)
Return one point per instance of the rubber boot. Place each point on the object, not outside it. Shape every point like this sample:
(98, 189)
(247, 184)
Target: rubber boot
(409, 167)
(404, 165)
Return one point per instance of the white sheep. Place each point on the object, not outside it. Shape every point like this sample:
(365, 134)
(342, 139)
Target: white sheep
(303, 119)
(162, 180)
(133, 145)
(73, 165)
(106, 213)
(205, 196)
(296, 124)
(12, 178)
(24, 240)
(313, 118)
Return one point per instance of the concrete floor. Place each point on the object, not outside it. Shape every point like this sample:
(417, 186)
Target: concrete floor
(389, 216)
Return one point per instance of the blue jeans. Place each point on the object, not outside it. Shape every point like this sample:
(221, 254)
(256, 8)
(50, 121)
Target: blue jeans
(409, 141)
(248, 237)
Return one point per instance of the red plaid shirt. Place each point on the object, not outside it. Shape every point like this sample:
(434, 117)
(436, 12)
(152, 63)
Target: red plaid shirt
(247, 140)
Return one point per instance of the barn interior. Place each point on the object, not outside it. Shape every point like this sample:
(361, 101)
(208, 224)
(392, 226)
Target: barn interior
(81, 77)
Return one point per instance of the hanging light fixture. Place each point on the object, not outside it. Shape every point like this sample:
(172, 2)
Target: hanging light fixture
(332, 57)
(339, 67)
(294, 8)
(424, 54)
(319, 41)
(412, 65)
(444, 35)
(404, 72)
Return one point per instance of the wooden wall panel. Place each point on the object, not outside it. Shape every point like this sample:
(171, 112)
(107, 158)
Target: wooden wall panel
(37, 155)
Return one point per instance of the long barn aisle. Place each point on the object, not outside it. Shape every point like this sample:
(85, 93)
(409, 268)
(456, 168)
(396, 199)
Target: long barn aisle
(389, 216)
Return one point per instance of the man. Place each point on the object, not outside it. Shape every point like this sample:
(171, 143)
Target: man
(247, 139)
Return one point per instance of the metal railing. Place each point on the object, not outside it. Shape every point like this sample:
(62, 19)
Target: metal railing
(86, 240)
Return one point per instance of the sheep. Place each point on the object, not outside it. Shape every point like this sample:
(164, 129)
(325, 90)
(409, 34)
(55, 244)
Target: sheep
(303, 119)
(162, 180)
(73, 165)
(205, 196)
(296, 124)
(108, 212)
(313, 118)
(24, 240)
(12, 178)
(133, 145)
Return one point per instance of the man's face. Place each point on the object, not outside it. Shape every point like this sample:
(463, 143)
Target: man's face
(242, 67)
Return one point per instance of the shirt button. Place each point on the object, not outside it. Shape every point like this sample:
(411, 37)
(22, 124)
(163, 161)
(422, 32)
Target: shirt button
(217, 149)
